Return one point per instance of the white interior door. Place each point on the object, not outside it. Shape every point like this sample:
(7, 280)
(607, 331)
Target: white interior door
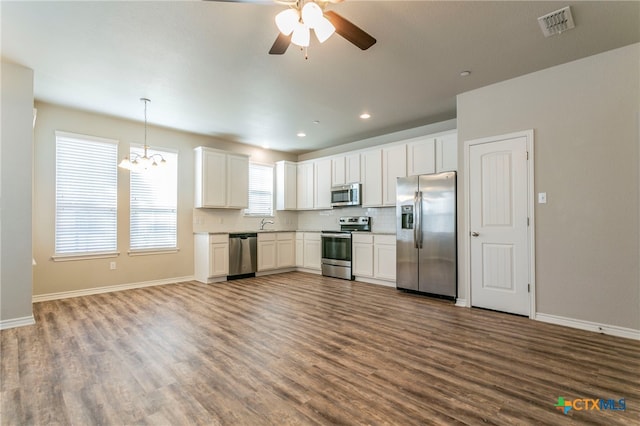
(498, 212)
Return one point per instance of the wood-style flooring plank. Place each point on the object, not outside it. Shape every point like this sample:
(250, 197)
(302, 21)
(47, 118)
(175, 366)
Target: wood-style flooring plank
(300, 349)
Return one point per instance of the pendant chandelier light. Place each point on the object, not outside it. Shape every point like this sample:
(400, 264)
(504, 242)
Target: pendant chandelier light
(301, 19)
(143, 162)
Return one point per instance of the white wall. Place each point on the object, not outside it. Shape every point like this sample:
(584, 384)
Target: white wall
(15, 195)
(586, 131)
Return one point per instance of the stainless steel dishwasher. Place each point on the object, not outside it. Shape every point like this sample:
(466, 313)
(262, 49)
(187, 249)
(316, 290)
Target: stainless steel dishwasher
(243, 259)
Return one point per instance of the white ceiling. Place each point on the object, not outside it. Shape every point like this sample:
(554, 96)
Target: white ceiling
(205, 67)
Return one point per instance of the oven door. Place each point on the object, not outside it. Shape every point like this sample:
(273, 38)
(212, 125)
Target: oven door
(336, 249)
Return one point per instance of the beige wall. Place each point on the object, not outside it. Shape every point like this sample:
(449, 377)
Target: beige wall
(586, 131)
(15, 194)
(53, 277)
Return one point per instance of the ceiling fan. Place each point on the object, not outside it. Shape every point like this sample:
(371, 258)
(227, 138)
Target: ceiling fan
(302, 16)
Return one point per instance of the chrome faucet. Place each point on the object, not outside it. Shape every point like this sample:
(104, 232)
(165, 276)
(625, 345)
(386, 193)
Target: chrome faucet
(263, 222)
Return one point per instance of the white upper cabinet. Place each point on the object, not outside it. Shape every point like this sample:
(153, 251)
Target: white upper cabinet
(432, 154)
(421, 156)
(371, 168)
(304, 188)
(237, 181)
(338, 171)
(352, 168)
(322, 184)
(286, 185)
(394, 165)
(221, 179)
(447, 153)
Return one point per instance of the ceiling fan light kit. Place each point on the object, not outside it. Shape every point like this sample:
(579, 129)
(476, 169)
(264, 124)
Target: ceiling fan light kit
(295, 25)
(300, 21)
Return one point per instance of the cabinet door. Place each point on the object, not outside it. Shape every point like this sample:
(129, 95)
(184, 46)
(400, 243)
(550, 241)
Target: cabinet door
(286, 177)
(214, 179)
(285, 250)
(338, 171)
(447, 153)
(322, 184)
(266, 255)
(362, 259)
(385, 261)
(421, 157)
(371, 166)
(305, 186)
(219, 260)
(352, 168)
(299, 251)
(237, 181)
(312, 252)
(394, 165)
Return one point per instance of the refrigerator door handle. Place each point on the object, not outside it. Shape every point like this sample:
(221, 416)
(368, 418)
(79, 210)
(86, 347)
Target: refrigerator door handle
(417, 229)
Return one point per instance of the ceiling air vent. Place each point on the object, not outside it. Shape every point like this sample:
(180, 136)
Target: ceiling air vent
(556, 22)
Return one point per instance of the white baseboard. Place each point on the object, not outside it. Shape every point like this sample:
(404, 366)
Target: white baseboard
(17, 322)
(309, 271)
(461, 302)
(612, 330)
(376, 281)
(275, 271)
(107, 289)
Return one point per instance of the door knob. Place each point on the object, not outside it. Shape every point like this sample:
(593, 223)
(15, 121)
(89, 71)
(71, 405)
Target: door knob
(475, 234)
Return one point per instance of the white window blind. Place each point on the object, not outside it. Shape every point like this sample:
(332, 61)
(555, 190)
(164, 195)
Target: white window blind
(260, 190)
(86, 194)
(154, 203)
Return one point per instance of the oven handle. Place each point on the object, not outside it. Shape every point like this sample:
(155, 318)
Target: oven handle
(336, 235)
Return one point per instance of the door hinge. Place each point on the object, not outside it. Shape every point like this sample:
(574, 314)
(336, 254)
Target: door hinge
(527, 154)
(527, 221)
(528, 288)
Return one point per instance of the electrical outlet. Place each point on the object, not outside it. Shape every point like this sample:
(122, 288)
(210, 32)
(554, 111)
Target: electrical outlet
(112, 265)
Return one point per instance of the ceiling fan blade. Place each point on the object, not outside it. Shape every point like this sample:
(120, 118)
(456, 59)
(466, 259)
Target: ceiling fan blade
(350, 31)
(280, 45)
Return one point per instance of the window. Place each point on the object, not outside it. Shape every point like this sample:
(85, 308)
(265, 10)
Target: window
(154, 204)
(86, 195)
(260, 190)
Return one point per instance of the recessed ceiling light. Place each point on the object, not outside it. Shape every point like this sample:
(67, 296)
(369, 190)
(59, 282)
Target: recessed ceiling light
(301, 134)
(465, 73)
(365, 116)
(316, 121)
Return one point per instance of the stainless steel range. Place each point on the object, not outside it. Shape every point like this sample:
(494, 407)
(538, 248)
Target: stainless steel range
(336, 246)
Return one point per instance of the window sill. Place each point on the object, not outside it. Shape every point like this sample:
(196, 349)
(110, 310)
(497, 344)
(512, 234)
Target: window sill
(88, 256)
(150, 252)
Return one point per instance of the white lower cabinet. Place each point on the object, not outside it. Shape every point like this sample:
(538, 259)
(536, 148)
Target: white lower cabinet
(312, 251)
(266, 251)
(362, 255)
(384, 257)
(299, 249)
(285, 250)
(374, 256)
(211, 257)
(276, 250)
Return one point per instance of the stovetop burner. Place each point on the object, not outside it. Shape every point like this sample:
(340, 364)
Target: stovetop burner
(349, 224)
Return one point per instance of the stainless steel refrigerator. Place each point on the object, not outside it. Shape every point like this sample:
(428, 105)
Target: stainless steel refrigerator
(426, 254)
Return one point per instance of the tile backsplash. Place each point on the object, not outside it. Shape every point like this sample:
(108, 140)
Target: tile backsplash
(383, 219)
(221, 220)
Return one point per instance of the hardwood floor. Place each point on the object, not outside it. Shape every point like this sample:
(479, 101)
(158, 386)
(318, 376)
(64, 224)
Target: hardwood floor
(294, 349)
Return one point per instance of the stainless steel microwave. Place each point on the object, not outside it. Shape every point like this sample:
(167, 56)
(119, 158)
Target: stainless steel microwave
(346, 195)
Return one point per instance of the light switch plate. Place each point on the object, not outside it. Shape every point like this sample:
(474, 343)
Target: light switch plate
(542, 198)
